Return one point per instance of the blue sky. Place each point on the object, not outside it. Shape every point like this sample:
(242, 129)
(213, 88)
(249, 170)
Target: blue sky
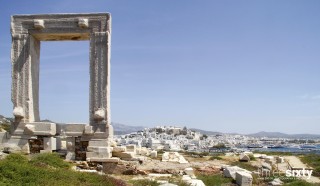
(229, 66)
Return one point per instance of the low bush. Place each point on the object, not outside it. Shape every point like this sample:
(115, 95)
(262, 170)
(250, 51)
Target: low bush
(49, 160)
(144, 183)
(300, 183)
(214, 157)
(16, 169)
(214, 180)
(312, 160)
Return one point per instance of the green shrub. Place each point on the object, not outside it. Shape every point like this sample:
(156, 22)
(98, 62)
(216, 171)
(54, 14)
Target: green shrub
(144, 183)
(252, 158)
(244, 165)
(312, 160)
(299, 183)
(214, 180)
(5, 127)
(50, 160)
(16, 158)
(17, 170)
(215, 158)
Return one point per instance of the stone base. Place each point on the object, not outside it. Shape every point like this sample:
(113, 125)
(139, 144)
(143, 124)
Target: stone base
(35, 128)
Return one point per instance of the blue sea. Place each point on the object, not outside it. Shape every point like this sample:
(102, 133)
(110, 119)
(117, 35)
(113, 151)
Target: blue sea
(291, 149)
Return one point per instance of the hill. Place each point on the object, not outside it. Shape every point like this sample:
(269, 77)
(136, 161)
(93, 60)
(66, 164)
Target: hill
(283, 135)
(120, 129)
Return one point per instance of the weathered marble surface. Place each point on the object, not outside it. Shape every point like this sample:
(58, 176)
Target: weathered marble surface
(27, 32)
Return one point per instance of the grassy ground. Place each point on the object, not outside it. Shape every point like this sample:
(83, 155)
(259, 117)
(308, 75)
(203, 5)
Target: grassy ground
(47, 169)
(300, 183)
(312, 160)
(244, 165)
(215, 180)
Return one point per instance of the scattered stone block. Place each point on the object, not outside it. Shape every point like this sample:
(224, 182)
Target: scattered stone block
(230, 172)
(280, 159)
(266, 165)
(168, 184)
(189, 171)
(142, 151)
(195, 182)
(154, 154)
(243, 178)
(159, 175)
(244, 157)
(173, 157)
(186, 178)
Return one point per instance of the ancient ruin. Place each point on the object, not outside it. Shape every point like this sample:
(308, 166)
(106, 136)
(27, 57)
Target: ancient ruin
(91, 142)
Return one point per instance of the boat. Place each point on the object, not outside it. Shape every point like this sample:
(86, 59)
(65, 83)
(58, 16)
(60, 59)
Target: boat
(308, 146)
(276, 146)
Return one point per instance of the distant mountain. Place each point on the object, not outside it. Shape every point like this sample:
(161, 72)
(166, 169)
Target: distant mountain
(120, 129)
(283, 135)
(205, 131)
(4, 119)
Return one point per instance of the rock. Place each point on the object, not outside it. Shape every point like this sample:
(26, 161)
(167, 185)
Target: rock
(159, 175)
(189, 171)
(195, 182)
(266, 166)
(166, 171)
(154, 154)
(186, 178)
(248, 153)
(244, 157)
(11, 148)
(83, 165)
(168, 184)
(162, 181)
(173, 157)
(230, 172)
(280, 159)
(142, 151)
(243, 178)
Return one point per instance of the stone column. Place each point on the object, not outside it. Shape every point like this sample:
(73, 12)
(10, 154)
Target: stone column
(100, 83)
(25, 54)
